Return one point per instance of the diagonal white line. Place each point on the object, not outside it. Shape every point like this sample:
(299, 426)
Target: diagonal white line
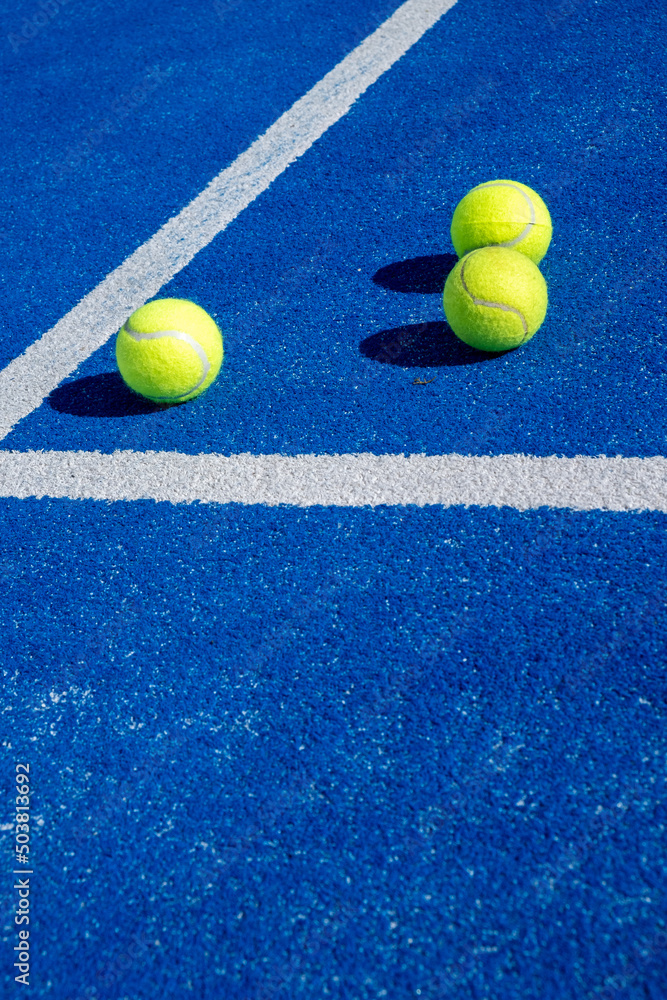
(27, 380)
(522, 482)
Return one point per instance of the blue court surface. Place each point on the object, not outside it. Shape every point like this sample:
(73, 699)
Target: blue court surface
(332, 749)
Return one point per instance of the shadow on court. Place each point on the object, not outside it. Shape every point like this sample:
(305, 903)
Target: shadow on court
(103, 395)
(421, 275)
(422, 345)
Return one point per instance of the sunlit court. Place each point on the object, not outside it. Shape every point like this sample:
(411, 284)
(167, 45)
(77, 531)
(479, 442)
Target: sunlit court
(333, 497)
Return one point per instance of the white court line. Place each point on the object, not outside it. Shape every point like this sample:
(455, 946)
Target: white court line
(523, 482)
(28, 380)
(518, 481)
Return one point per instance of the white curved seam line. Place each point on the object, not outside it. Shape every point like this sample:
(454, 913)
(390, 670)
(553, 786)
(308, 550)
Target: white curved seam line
(178, 335)
(493, 305)
(531, 208)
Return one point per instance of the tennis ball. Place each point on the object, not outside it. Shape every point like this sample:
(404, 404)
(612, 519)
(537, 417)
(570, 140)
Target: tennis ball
(169, 350)
(504, 214)
(495, 299)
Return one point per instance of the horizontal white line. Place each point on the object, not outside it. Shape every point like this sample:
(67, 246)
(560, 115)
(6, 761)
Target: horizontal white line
(523, 482)
(28, 380)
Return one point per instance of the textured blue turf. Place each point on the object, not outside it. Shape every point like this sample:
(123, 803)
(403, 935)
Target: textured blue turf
(323, 357)
(117, 115)
(401, 753)
(429, 756)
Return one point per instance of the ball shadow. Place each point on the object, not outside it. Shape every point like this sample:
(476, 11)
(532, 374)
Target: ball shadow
(424, 275)
(422, 345)
(104, 395)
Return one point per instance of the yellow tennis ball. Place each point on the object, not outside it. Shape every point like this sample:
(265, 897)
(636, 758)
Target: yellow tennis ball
(169, 350)
(495, 299)
(502, 213)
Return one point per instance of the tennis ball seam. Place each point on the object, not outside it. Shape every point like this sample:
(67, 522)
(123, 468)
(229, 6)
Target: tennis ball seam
(531, 208)
(493, 305)
(178, 335)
